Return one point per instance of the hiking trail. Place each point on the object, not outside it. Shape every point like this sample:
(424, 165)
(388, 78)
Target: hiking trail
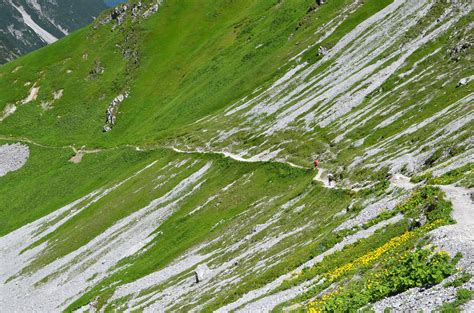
(324, 181)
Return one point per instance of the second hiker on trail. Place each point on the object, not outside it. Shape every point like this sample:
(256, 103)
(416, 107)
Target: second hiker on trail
(316, 162)
(330, 178)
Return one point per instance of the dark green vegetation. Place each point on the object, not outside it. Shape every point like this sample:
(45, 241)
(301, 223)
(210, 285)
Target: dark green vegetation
(420, 268)
(464, 278)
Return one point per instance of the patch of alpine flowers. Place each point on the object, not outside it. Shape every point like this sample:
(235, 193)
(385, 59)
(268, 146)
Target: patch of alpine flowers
(395, 273)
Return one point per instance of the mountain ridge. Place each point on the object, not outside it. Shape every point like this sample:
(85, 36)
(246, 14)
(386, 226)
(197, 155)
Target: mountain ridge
(30, 24)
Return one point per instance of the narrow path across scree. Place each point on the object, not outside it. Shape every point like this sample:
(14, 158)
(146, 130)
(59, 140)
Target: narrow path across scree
(236, 157)
(255, 159)
(402, 181)
(232, 156)
(77, 158)
(324, 181)
(463, 211)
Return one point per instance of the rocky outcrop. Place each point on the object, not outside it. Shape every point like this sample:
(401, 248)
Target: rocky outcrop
(135, 10)
(11, 108)
(322, 51)
(464, 81)
(458, 50)
(27, 25)
(32, 96)
(153, 9)
(97, 69)
(201, 273)
(111, 113)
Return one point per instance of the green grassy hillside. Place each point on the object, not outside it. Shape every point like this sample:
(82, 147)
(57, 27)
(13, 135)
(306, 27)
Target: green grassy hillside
(201, 195)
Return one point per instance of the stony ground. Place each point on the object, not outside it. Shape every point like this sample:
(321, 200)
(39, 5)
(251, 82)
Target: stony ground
(13, 157)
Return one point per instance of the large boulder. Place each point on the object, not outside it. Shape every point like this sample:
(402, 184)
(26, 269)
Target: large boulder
(462, 82)
(201, 273)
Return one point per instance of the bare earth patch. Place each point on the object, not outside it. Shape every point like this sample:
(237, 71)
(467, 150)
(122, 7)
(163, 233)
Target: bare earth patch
(77, 158)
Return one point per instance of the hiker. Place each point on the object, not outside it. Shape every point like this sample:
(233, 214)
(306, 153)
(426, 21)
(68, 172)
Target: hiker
(316, 162)
(330, 179)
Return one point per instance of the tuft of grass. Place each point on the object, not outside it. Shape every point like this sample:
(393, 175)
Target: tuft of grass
(462, 296)
(462, 279)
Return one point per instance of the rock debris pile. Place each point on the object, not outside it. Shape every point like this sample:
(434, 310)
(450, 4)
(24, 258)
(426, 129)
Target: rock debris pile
(13, 157)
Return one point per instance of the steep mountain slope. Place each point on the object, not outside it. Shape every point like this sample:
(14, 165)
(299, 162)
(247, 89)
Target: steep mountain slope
(26, 25)
(161, 159)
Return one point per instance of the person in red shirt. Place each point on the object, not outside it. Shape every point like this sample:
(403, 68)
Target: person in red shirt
(316, 162)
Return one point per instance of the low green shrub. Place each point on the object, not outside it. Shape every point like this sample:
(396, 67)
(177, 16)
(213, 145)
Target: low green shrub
(420, 268)
(453, 176)
(463, 295)
(423, 177)
(447, 178)
(385, 215)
